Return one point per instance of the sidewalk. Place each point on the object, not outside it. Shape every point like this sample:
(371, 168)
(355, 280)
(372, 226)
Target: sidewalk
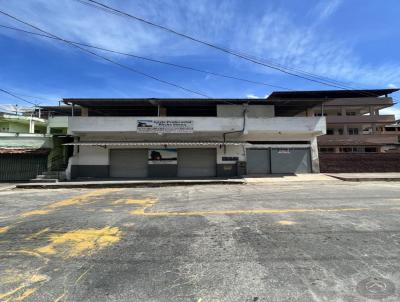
(251, 180)
(177, 182)
(389, 176)
(129, 183)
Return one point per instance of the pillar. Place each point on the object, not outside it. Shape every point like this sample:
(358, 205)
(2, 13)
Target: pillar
(314, 156)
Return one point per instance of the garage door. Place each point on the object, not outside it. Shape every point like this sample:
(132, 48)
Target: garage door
(196, 162)
(291, 160)
(258, 161)
(128, 163)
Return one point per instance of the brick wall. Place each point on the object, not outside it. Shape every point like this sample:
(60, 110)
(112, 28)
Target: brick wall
(359, 162)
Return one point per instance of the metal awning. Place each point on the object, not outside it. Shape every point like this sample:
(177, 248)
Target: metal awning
(154, 143)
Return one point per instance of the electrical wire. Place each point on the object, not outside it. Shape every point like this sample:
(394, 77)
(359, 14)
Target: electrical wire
(150, 59)
(105, 58)
(246, 57)
(19, 98)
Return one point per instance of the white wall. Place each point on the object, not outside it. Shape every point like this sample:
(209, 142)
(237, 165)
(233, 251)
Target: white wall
(254, 111)
(288, 125)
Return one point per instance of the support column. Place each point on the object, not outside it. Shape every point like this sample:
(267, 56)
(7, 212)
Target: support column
(31, 126)
(314, 156)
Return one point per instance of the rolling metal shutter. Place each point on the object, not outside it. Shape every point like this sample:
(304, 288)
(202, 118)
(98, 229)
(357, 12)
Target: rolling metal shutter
(291, 160)
(258, 161)
(197, 162)
(128, 163)
(14, 167)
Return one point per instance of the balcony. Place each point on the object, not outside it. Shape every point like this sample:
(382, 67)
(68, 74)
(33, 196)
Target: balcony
(201, 125)
(362, 139)
(361, 119)
(25, 140)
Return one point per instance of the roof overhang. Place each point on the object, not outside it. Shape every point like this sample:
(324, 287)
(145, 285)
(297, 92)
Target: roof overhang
(196, 143)
(331, 94)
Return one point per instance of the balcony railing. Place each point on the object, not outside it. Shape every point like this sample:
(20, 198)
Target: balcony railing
(360, 119)
(361, 139)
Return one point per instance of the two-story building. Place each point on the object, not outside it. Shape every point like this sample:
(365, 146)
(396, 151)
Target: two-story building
(166, 138)
(359, 138)
(24, 146)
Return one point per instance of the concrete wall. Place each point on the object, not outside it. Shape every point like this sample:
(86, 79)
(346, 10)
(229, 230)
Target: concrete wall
(277, 125)
(253, 111)
(25, 140)
(359, 162)
(57, 122)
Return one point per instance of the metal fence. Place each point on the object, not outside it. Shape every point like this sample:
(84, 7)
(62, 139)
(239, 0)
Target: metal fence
(17, 167)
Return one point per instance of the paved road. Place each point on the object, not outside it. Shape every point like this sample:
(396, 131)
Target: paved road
(335, 241)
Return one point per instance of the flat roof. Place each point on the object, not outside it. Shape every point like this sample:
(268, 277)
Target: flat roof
(121, 102)
(331, 94)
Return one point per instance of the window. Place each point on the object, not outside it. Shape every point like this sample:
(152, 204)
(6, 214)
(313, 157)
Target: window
(351, 113)
(326, 150)
(320, 114)
(346, 149)
(340, 131)
(370, 149)
(353, 131)
(390, 129)
(329, 131)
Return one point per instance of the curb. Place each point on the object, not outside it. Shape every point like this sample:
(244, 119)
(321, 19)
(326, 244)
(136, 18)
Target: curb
(138, 184)
(359, 179)
(7, 188)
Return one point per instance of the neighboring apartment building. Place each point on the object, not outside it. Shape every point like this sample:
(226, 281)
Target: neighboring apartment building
(24, 146)
(357, 133)
(139, 138)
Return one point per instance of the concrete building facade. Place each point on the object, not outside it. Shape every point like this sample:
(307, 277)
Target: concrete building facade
(166, 138)
(359, 138)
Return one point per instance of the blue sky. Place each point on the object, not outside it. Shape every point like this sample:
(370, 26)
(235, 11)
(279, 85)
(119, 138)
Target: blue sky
(352, 41)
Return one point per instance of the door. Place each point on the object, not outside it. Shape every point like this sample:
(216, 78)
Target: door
(197, 162)
(128, 163)
(258, 161)
(291, 160)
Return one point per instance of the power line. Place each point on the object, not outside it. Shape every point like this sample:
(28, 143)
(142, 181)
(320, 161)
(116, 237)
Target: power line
(246, 57)
(17, 97)
(105, 58)
(150, 59)
(226, 50)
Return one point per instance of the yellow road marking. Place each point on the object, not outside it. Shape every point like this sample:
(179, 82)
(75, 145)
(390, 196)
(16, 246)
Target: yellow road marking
(4, 229)
(144, 201)
(26, 294)
(141, 212)
(34, 236)
(11, 292)
(58, 299)
(81, 198)
(35, 212)
(286, 222)
(78, 242)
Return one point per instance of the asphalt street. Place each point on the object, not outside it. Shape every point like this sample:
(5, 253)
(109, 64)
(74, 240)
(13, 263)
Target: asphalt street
(311, 241)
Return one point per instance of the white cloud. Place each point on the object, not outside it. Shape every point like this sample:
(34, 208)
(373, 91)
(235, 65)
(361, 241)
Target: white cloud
(324, 9)
(276, 35)
(75, 21)
(392, 86)
(280, 39)
(391, 110)
(252, 96)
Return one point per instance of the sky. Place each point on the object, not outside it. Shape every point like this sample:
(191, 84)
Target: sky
(354, 42)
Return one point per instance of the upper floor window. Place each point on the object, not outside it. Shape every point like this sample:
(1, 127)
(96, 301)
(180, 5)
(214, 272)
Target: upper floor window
(351, 113)
(329, 131)
(353, 131)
